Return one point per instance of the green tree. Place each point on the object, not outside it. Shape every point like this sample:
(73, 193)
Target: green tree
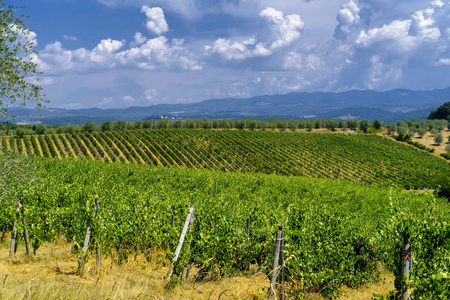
(18, 69)
(252, 124)
(422, 131)
(137, 124)
(225, 124)
(438, 138)
(20, 132)
(352, 124)
(377, 124)
(364, 126)
(240, 124)
(89, 127)
(107, 126)
(40, 128)
(442, 112)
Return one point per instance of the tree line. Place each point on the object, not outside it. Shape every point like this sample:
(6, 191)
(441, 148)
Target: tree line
(406, 129)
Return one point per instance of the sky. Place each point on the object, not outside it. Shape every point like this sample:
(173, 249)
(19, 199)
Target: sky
(122, 53)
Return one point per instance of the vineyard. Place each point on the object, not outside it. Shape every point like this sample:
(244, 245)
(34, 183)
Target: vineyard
(335, 232)
(354, 158)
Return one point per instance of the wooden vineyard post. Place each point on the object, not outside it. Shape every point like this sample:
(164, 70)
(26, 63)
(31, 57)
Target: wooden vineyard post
(248, 226)
(186, 268)
(25, 231)
(12, 249)
(276, 260)
(3, 234)
(282, 267)
(89, 229)
(406, 268)
(189, 219)
(87, 238)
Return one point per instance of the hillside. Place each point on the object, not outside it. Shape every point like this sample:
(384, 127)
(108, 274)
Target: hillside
(336, 233)
(388, 106)
(354, 158)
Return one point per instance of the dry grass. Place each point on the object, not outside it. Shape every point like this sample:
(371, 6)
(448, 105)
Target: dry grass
(428, 140)
(51, 274)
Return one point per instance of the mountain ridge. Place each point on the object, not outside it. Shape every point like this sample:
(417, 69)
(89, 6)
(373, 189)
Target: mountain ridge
(387, 106)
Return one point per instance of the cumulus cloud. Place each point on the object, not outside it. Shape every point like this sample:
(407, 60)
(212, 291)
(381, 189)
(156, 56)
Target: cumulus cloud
(139, 39)
(396, 31)
(347, 17)
(388, 54)
(378, 44)
(159, 52)
(153, 54)
(55, 59)
(156, 22)
(276, 31)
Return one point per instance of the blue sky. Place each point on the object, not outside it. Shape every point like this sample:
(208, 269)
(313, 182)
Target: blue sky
(121, 53)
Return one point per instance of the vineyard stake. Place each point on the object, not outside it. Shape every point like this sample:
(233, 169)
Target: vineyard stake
(186, 268)
(276, 259)
(406, 267)
(180, 242)
(86, 239)
(89, 229)
(282, 267)
(3, 234)
(72, 247)
(14, 234)
(99, 256)
(25, 232)
(248, 226)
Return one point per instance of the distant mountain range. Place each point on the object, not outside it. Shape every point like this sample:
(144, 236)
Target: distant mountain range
(387, 106)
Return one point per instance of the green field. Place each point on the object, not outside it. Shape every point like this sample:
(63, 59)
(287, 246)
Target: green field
(354, 158)
(336, 232)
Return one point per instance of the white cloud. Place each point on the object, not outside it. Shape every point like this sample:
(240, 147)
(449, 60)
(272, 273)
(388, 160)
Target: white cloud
(151, 94)
(104, 52)
(279, 31)
(46, 81)
(347, 17)
(332, 45)
(444, 61)
(106, 102)
(437, 3)
(395, 31)
(276, 32)
(70, 37)
(156, 22)
(139, 39)
(158, 52)
(128, 100)
(154, 54)
(380, 72)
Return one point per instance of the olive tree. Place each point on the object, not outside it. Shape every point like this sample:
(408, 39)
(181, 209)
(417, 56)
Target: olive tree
(438, 138)
(18, 76)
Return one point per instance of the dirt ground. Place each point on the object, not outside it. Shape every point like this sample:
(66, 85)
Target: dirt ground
(428, 140)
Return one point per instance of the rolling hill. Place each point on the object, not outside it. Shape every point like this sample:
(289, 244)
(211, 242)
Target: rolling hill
(388, 106)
